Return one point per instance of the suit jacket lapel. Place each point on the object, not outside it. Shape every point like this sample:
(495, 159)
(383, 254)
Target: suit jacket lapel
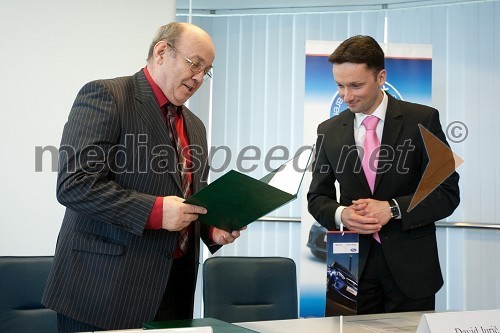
(192, 140)
(148, 109)
(393, 125)
(192, 135)
(197, 143)
(352, 161)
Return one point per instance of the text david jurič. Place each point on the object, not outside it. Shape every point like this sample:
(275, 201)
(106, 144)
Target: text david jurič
(480, 329)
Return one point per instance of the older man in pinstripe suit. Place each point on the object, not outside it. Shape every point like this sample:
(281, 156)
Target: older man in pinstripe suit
(118, 260)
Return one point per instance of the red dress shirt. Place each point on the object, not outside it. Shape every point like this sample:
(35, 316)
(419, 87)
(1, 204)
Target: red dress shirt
(156, 216)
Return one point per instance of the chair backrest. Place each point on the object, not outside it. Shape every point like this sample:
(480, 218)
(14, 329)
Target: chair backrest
(22, 281)
(238, 289)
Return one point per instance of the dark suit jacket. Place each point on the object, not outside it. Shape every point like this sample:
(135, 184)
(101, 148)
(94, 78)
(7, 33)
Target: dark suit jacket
(115, 159)
(409, 244)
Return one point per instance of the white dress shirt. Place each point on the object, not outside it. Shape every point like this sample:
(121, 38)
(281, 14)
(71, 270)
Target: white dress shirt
(359, 137)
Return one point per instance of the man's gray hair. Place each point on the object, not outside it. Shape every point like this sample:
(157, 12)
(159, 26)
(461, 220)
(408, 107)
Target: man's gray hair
(169, 33)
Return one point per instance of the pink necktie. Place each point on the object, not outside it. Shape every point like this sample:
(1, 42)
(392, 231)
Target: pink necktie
(371, 147)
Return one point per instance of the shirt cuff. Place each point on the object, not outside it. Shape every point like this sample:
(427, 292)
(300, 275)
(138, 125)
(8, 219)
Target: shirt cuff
(156, 216)
(338, 216)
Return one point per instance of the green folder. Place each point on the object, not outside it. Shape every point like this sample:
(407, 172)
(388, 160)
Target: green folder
(235, 200)
(218, 326)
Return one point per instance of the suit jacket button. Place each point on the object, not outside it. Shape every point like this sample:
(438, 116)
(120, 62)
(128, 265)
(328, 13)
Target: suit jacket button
(169, 254)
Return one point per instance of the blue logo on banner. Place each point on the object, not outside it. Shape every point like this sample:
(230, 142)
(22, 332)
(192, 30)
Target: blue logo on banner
(338, 104)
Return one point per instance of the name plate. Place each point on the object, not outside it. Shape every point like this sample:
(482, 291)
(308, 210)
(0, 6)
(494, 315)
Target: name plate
(484, 321)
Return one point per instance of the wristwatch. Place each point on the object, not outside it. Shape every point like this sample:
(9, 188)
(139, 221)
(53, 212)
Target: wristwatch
(395, 213)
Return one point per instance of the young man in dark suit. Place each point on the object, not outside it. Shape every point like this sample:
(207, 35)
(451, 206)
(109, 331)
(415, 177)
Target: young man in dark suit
(398, 264)
(128, 248)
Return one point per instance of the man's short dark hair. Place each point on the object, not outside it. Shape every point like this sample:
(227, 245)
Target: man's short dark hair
(359, 50)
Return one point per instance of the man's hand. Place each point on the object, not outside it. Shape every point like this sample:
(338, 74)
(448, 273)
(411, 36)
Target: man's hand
(359, 223)
(379, 210)
(222, 237)
(177, 215)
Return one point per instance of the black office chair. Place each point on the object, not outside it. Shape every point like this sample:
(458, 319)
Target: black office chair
(238, 289)
(22, 281)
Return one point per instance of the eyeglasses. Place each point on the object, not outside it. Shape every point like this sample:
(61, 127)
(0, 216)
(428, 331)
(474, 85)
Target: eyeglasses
(195, 67)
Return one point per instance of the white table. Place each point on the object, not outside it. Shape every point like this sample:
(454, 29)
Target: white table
(388, 322)
(404, 322)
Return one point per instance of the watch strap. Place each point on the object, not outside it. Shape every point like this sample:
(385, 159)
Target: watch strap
(395, 213)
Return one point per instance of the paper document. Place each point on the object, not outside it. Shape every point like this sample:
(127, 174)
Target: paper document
(235, 200)
(288, 176)
(207, 329)
(387, 325)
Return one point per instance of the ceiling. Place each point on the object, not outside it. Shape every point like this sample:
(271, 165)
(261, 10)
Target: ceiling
(224, 6)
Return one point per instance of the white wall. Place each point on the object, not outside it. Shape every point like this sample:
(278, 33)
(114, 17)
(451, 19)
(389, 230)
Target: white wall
(49, 49)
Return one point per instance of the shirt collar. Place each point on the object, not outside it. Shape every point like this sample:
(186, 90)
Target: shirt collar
(160, 97)
(379, 112)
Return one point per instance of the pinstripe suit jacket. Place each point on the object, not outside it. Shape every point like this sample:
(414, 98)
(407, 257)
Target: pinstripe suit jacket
(115, 158)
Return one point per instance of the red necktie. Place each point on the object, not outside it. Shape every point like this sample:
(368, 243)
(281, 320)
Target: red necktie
(183, 163)
(371, 147)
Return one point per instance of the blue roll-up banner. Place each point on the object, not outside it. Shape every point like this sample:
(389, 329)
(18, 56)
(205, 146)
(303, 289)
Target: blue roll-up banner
(409, 77)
